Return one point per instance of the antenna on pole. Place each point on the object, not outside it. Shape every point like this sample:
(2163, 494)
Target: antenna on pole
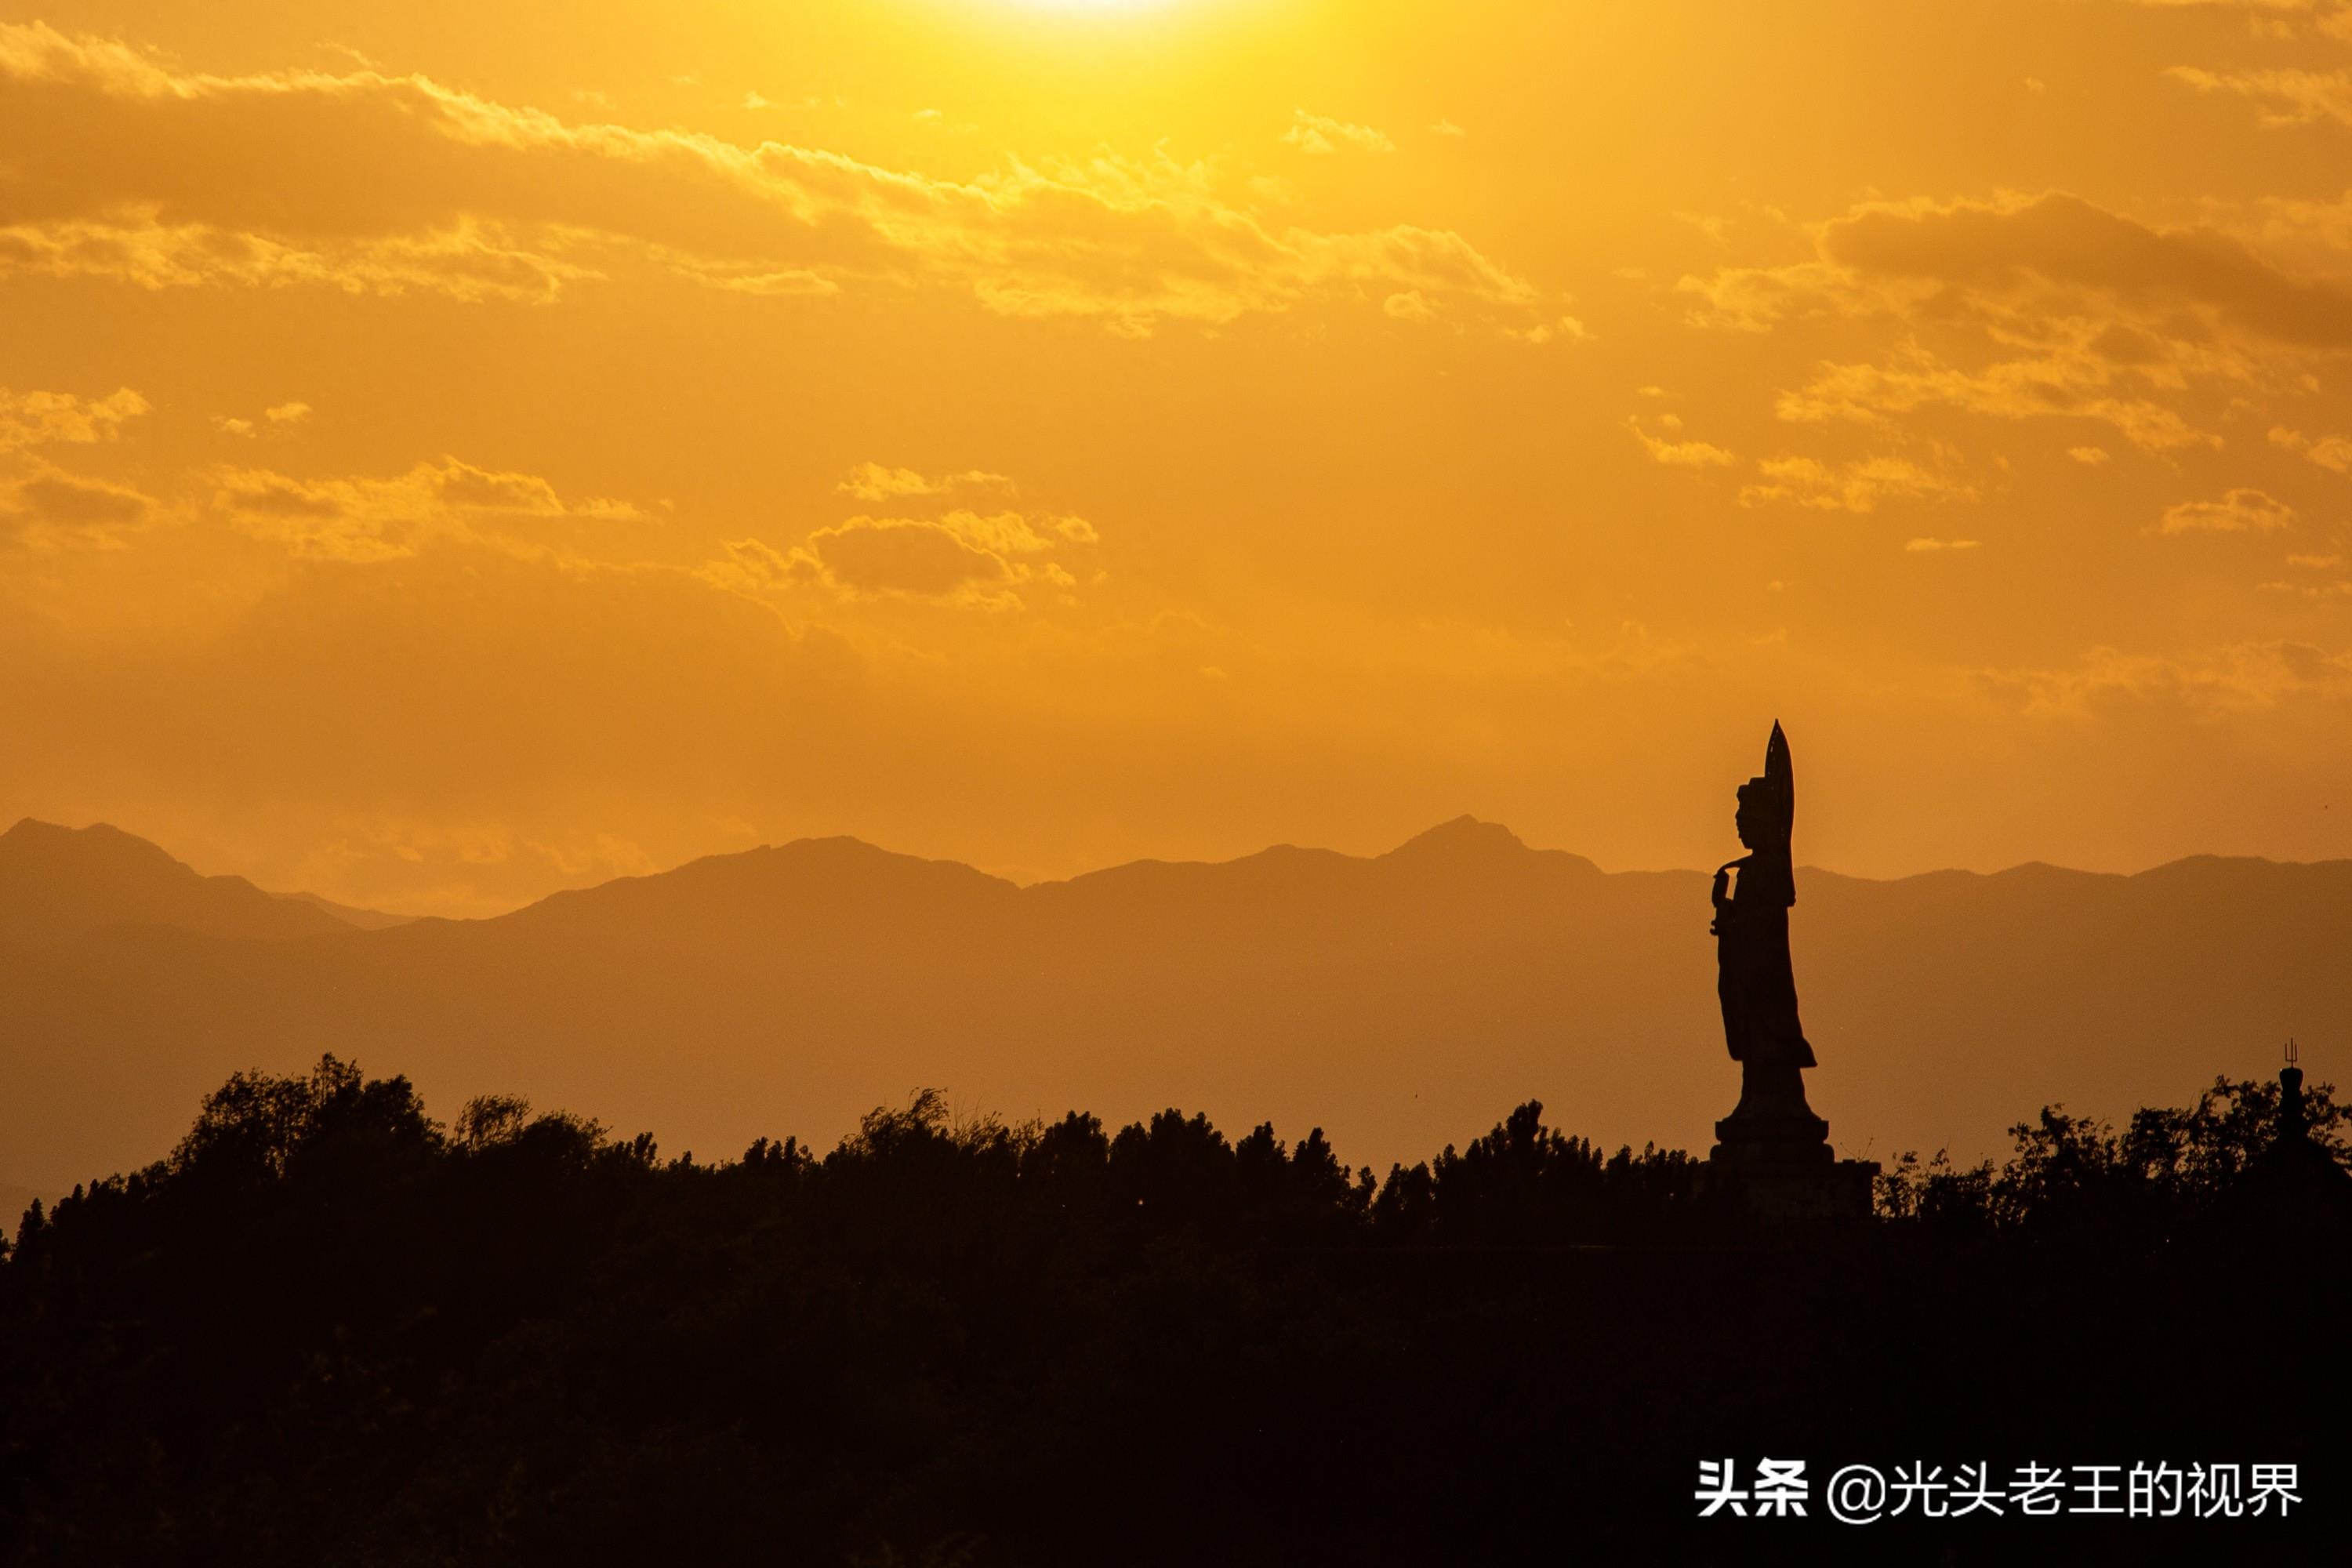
(2292, 1055)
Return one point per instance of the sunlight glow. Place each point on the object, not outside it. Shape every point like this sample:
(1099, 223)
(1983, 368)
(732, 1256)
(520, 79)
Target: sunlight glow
(1091, 8)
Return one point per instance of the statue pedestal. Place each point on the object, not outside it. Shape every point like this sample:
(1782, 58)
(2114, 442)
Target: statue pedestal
(1775, 1181)
(1775, 1164)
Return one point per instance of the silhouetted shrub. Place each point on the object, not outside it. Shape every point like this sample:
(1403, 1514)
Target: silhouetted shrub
(326, 1329)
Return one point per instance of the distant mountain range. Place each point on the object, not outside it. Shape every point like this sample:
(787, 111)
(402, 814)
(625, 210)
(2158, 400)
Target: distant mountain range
(1399, 1001)
(57, 883)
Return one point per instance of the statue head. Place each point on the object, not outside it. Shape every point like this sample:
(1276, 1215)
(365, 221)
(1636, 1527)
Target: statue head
(1767, 817)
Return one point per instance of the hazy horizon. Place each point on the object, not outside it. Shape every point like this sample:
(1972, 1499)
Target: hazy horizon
(1399, 1001)
(1018, 880)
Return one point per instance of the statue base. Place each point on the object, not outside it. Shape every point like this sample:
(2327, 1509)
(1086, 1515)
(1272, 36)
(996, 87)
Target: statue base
(1773, 1159)
(1791, 1181)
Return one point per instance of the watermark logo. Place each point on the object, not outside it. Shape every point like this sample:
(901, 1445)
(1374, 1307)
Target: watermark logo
(1866, 1494)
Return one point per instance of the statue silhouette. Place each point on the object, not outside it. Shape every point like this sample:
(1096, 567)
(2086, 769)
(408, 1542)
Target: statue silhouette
(1773, 1143)
(1754, 978)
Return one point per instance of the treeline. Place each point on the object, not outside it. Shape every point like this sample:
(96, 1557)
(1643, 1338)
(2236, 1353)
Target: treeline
(2164, 1170)
(329, 1328)
(1522, 1184)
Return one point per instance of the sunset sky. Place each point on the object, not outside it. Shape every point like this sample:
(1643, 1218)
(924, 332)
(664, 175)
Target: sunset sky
(454, 451)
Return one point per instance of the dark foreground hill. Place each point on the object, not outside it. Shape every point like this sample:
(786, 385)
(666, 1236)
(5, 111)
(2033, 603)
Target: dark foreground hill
(1394, 999)
(327, 1330)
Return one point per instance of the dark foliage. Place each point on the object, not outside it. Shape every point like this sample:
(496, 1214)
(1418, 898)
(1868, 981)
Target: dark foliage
(327, 1329)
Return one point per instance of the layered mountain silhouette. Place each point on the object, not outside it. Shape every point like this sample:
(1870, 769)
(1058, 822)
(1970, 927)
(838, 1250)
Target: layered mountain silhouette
(63, 882)
(1399, 1001)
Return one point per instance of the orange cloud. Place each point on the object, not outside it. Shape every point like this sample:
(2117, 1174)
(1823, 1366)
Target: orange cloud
(364, 518)
(2334, 452)
(1321, 134)
(122, 168)
(1857, 486)
(2288, 96)
(873, 481)
(2083, 312)
(1680, 453)
(2242, 676)
(963, 557)
(54, 509)
(899, 555)
(2062, 240)
(2239, 511)
(34, 418)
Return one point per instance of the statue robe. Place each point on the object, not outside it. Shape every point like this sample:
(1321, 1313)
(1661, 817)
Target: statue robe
(1754, 979)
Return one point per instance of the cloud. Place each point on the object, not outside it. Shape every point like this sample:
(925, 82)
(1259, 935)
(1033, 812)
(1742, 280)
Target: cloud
(1447, 128)
(2033, 308)
(361, 519)
(754, 566)
(1913, 257)
(872, 481)
(1714, 225)
(1937, 547)
(2082, 313)
(2282, 97)
(899, 555)
(286, 413)
(2334, 452)
(1321, 134)
(54, 511)
(1565, 327)
(1858, 486)
(2071, 380)
(1408, 306)
(463, 485)
(2061, 240)
(2239, 511)
(58, 497)
(875, 482)
(2239, 678)
(122, 168)
(2089, 456)
(352, 521)
(1679, 454)
(37, 418)
(791, 282)
(964, 557)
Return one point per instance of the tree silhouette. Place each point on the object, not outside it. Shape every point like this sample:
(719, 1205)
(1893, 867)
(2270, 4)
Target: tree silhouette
(327, 1329)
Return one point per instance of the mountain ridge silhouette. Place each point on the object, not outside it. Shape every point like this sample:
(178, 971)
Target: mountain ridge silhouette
(1398, 1000)
(59, 882)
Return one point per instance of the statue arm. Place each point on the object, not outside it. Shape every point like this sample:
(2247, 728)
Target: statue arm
(1721, 894)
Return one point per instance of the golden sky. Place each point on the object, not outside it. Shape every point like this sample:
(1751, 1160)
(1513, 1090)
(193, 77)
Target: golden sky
(451, 452)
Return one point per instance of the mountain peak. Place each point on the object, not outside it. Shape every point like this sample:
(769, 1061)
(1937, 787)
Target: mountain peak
(1463, 837)
(33, 841)
(57, 883)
